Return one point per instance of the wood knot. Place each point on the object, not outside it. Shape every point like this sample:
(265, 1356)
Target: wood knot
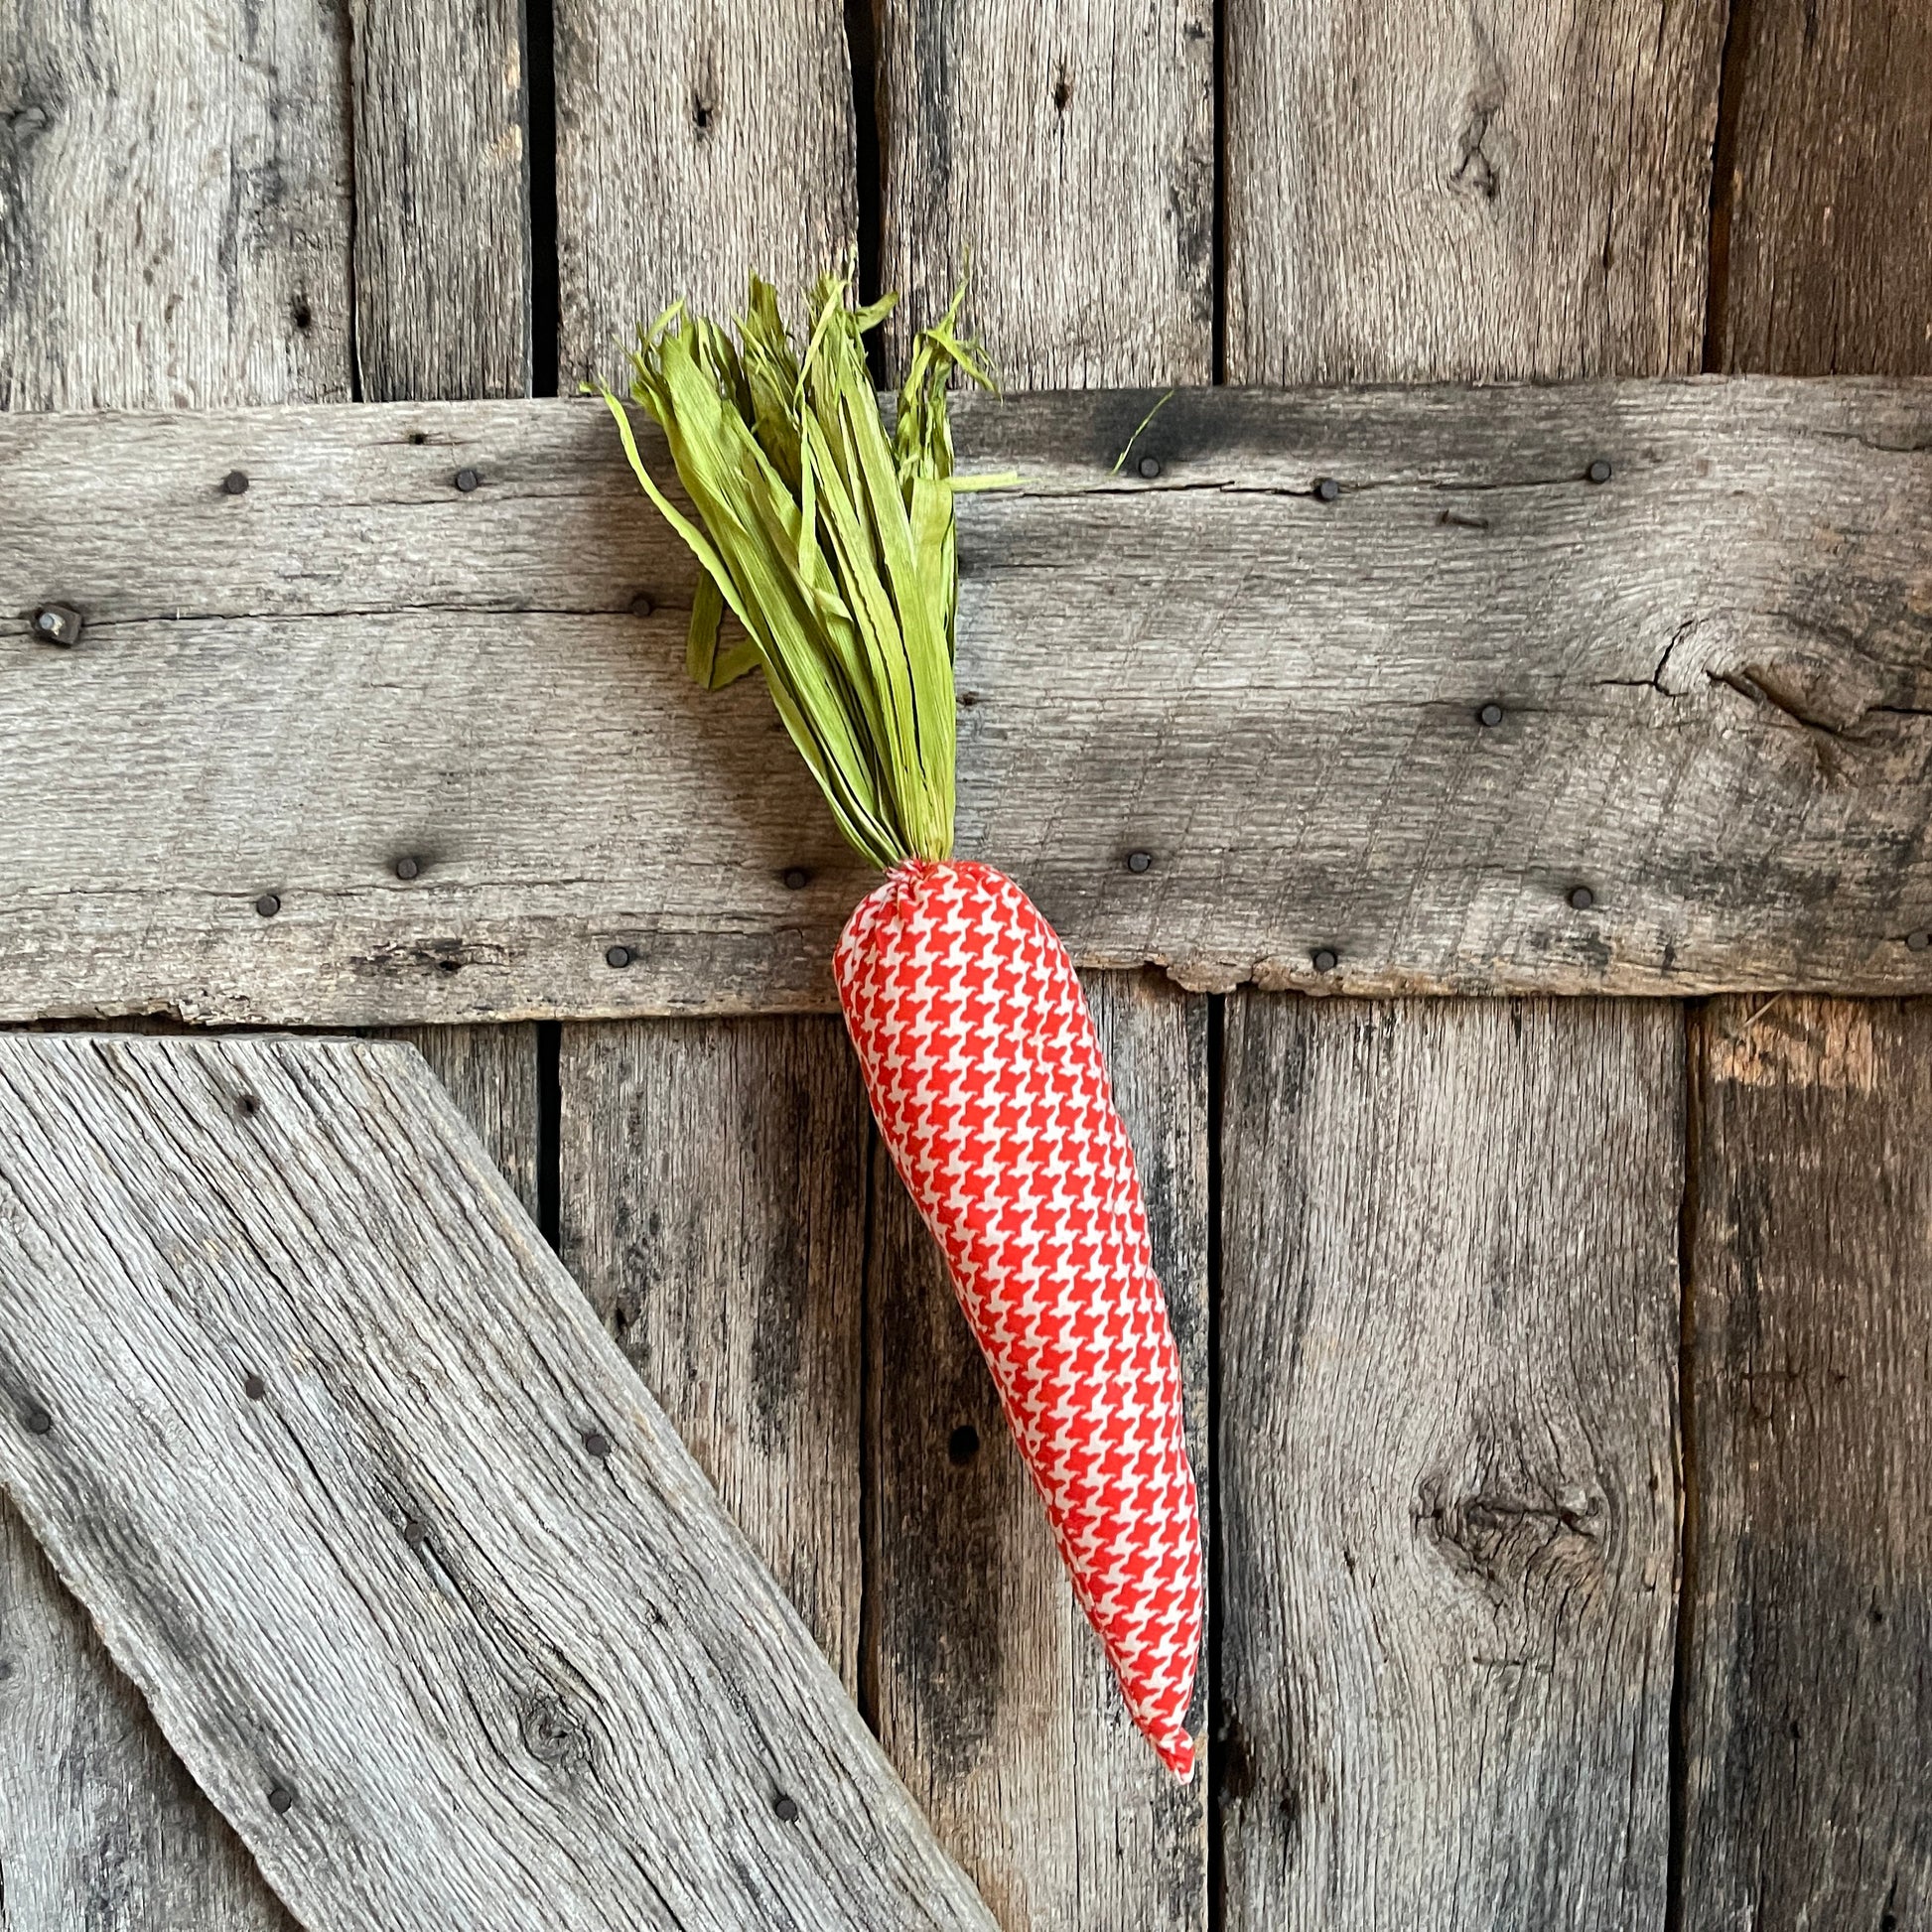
(553, 1733)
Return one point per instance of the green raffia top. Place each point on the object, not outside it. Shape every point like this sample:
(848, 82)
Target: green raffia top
(829, 540)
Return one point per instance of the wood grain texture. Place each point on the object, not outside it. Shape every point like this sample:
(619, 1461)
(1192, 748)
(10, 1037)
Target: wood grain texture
(100, 1826)
(714, 1209)
(1808, 1707)
(993, 1696)
(1429, 190)
(491, 1072)
(591, 1697)
(441, 200)
(174, 205)
(1824, 235)
(1060, 159)
(1449, 1337)
(1713, 670)
(695, 145)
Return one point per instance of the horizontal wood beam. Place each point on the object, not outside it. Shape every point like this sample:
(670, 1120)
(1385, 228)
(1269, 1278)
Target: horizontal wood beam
(416, 1579)
(1709, 678)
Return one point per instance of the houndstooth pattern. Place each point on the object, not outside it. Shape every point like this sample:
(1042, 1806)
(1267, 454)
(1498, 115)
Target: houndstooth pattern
(988, 1082)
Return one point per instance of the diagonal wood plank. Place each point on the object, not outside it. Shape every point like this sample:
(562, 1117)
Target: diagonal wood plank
(438, 1609)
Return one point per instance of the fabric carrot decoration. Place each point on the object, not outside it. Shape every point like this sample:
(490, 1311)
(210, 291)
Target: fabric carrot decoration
(830, 541)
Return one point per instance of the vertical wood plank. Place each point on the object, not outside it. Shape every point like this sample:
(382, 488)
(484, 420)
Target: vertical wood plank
(1806, 1710)
(713, 1206)
(1823, 237)
(1808, 1705)
(441, 200)
(993, 1697)
(1433, 190)
(695, 143)
(1061, 158)
(1065, 156)
(1413, 193)
(713, 1178)
(176, 220)
(1448, 1341)
(174, 205)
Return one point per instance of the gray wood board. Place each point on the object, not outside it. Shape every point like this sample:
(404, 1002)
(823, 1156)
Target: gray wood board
(1712, 670)
(993, 1696)
(713, 1206)
(1448, 1336)
(1808, 1707)
(1421, 190)
(575, 1697)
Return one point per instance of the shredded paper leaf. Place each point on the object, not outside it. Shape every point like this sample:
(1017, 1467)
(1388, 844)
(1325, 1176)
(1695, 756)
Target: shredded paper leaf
(829, 540)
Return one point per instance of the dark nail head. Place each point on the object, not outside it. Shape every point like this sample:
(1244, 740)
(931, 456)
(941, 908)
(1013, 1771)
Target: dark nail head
(1920, 940)
(235, 483)
(962, 1446)
(268, 905)
(1326, 488)
(57, 623)
(408, 868)
(1582, 898)
(1139, 861)
(786, 1808)
(1150, 467)
(797, 878)
(1326, 959)
(1490, 715)
(641, 606)
(1598, 472)
(597, 1443)
(414, 1534)
(253, 1387)
(617, 956)
(466, 481)
(281, 1799)
(37, 1422)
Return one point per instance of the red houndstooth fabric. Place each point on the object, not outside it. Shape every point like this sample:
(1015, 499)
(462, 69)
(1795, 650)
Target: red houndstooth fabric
(988, 1086)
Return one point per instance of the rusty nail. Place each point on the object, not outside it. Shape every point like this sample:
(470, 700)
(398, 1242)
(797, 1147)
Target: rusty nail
(597, 1443)
(1490, 715)
(787, 1806)
(414, 1534)
(962, 1446)
(236, 483)
(1919, 942)
(268, 905)
(616, 955)
(1326, 488)
(57, 623)
(467, 480)
(1139, 861)
(37, 1421)
(253, 1387)
(1326, 959)
(1582, 898)
(1150, 467)
(280, 1799)
(797, 878)
(408, 868)
(1598, 472)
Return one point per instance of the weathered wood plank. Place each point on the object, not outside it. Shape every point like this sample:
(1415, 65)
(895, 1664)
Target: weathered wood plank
(441, 200)
(993, 1697)
(591, 1704)
(491, 1072)
(1823, 230)
(1808, 1710)
(100, 1826)
(1429, 190)
(1714, 674)
(174, 208)
(1449, 1337)
(1059, 159)
(713, 1208)
(692, 147)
